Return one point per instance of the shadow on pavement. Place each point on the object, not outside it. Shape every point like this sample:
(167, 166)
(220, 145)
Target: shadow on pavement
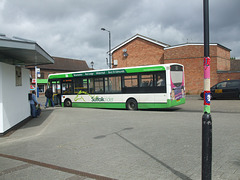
(39, 120)
(177, 173)
(29, 122)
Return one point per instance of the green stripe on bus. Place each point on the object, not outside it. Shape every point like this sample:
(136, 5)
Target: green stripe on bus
(145, 69)
(108, 72)
(100, 105)
(169, 103)
(99, 73)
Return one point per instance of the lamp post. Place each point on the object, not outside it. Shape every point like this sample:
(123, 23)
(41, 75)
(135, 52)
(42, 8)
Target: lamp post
(36, 89)
(92, 63)
(109, 52)
(206, 118)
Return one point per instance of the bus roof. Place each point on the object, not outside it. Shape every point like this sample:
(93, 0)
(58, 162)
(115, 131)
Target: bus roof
(136, 69)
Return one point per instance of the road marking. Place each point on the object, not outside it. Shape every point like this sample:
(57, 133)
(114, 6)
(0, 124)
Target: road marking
(58, 168)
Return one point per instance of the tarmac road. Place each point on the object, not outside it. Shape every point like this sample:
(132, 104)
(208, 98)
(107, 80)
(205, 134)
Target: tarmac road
(75, 143)
(195, 104)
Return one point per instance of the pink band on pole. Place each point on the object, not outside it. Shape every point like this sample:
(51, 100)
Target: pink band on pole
(206, 68)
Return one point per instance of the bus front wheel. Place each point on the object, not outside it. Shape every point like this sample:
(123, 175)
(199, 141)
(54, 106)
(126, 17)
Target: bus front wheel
(132, 104)
(67, 103)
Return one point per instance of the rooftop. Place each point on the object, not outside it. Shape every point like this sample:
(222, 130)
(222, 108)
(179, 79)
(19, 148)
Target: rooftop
(19, 51)
(65, 64)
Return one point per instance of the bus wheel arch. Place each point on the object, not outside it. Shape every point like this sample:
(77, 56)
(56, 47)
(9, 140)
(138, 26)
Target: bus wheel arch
(67, 103)
(131, 104)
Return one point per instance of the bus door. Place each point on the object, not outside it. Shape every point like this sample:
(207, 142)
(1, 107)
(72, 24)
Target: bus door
(56, 87)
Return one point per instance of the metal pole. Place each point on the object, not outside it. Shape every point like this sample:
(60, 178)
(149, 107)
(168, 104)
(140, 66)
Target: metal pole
(110, 55)
(109, 49)
(206, 118)
(36, 81)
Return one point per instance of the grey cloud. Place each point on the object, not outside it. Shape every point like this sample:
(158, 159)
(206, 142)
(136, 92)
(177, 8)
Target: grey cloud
(71, 28)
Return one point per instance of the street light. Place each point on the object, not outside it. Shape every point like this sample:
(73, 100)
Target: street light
(109, 52)
(92, 63)
(206, 118)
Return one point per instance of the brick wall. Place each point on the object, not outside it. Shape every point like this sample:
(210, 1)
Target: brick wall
(223, 64)
(223, 58)
(230, 68)
(140, 52)
(143, 52)
(182, 52)
(191, 56)
(235, 65)
(228, 75)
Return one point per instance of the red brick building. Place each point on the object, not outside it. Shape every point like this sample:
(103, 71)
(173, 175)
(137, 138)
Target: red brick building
(141, 50)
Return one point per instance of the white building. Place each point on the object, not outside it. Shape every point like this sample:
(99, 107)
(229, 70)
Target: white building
(15, 53)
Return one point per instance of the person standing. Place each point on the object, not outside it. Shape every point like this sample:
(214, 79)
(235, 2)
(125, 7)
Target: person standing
(33, 103)
(49, 95)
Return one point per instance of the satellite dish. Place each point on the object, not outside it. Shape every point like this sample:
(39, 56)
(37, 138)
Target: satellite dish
(124, 50)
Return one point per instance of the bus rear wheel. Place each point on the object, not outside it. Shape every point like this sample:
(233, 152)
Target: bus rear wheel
(132, 104)
(67, 103)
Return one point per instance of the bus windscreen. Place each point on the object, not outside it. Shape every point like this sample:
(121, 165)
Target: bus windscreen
(177, 75)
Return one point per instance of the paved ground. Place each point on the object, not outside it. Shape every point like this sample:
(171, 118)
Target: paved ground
(75, 143)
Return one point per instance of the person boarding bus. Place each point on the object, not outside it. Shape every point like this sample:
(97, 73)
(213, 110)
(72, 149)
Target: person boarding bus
(49, 95)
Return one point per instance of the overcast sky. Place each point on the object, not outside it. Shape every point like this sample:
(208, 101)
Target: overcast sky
(72, 28)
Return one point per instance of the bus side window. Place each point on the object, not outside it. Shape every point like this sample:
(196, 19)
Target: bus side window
(113, 84)
(131, 81)
(160, 80)
(146, 80)
(67, 86)
(91, 85)
(98, 82)
(80, 85)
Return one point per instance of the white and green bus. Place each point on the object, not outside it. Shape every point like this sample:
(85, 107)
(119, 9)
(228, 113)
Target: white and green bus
(141, 87)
